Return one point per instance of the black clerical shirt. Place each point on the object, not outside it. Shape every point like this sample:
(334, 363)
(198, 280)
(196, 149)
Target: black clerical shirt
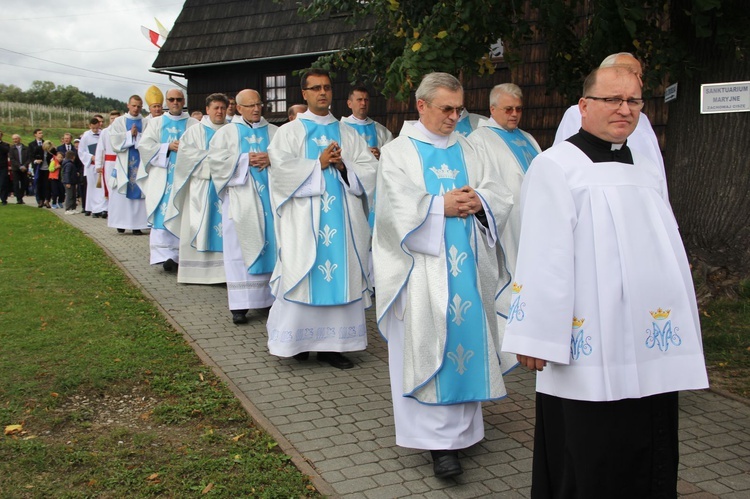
(599, 150)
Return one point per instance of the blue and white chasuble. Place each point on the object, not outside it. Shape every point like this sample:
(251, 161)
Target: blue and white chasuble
(215, 239)
(132, 191)
(464, 374)
(368, 132)
(328, 276)
(464, 127)
(518, 145)
(171, 130)
(256, 140)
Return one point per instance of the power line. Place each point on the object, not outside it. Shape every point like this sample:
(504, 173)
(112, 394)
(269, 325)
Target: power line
(83, 14)
(84, 76)
(74, 67)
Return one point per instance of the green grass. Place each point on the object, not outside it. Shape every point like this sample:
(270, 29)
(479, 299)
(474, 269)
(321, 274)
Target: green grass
(53, 134)
(78, 343)
(726, 340)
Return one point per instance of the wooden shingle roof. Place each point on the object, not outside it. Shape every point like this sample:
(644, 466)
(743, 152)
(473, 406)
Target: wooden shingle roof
(210, 32)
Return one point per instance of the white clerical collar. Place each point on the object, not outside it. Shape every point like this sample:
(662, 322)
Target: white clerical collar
(491, 122)
(320, 120)
(354, 119)
(437, 140)
(258, 124)
(206, 121)
(617, 147)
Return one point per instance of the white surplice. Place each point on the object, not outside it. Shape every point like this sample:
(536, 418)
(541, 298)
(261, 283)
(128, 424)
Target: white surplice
(603, 289)
(96, 202)
(411, 270)
(294, 325)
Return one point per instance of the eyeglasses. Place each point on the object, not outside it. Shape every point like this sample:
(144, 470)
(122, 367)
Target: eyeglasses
(318, 88)
(257, 104)
(616, 102)
(510, 109)
(175, 99)
(448, 110)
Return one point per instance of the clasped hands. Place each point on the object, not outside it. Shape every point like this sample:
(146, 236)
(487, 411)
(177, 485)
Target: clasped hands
(331, 156)
(259, 160)
(461, 202)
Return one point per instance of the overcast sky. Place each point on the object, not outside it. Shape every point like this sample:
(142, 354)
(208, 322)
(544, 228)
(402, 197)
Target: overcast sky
(96, 46)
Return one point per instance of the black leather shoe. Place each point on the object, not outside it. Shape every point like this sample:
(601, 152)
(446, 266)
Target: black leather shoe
(121, 231)
(137, 232)
(336, 360)
(445, 463)
(302, 356)
(239, 316)
(169, 265)
(96, 215)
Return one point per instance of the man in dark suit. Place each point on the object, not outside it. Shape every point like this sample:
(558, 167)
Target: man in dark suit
(67, 144)
(40, 161)
(4, 178)
(19, 165)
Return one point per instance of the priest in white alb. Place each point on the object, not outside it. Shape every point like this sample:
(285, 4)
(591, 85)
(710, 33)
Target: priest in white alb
(239, 166)
(127, 206)
(603, 307)
(510, 151)
(439, 214)
(159, 148)
(194, 208)
(96, 201)
(322, 176)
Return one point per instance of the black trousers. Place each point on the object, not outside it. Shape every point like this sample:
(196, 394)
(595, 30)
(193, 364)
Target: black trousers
(624, 449)
(42, 186)
(57, 191)
(20, 184)
(5, 186)
(82, 192)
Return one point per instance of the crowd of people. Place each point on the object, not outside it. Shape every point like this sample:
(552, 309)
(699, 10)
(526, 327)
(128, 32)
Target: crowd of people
(481, 251)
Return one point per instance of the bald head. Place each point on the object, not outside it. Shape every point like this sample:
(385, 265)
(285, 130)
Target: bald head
(249, 105)
(175, 101)
(625, 60)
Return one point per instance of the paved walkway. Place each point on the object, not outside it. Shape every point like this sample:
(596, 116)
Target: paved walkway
(339, 428)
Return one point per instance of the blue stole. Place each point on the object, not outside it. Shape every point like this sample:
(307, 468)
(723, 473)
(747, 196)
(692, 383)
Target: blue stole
(518, 145)
(134, 159)
(215, 237)
(171, 130)
(464, 373)
(256, 140)
(367, 132)
(464, 127)
(328, 275)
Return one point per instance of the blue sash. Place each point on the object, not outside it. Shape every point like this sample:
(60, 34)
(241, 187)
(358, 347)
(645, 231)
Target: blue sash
(328, 275)
(367, 132)
(464, 374)
(171, 130)
(256, 140)
(519, 146)
(464, 127)
(215, 236)
(132, 191)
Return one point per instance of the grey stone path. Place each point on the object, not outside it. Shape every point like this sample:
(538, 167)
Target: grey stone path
(338, 425)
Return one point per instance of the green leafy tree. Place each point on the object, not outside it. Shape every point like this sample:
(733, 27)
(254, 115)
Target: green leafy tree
(686, 41)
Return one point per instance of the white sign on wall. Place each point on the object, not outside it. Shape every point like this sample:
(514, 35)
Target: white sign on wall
(725, 97)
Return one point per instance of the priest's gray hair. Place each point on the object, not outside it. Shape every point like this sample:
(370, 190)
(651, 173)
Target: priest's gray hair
(433, 81)
(505, 88)
(611, 60)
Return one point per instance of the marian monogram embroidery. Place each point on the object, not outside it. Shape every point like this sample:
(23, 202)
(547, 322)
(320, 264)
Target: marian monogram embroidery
(579, 342)
(663, 333)
(516, 305)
